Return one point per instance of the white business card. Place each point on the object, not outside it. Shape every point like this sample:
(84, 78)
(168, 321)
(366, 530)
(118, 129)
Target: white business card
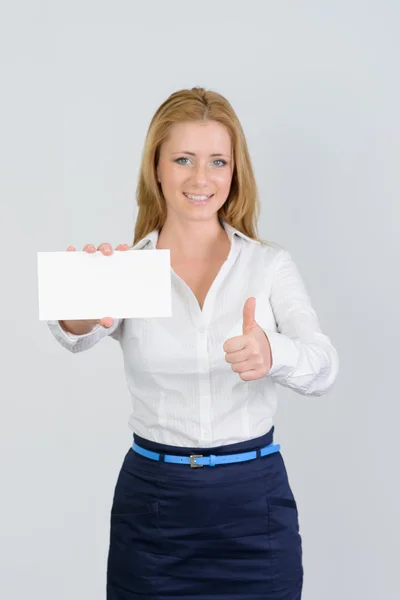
(81, 285)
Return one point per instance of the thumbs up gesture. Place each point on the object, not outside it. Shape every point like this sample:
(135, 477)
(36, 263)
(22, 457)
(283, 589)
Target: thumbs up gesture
(249, 354)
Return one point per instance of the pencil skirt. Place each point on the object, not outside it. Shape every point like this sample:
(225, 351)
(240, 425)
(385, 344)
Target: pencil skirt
(229, 532)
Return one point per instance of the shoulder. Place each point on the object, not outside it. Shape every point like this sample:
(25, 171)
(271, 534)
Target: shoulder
(267, 251)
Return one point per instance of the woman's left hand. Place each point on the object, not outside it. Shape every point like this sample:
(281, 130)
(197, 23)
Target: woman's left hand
(249, 354)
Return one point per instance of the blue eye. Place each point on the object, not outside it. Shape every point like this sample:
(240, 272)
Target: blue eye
(218, 160)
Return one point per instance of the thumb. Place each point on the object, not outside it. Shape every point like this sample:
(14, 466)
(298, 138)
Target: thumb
(249, 315)
(106, 322)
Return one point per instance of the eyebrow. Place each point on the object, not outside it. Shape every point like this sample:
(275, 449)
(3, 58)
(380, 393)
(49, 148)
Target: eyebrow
(193, 153)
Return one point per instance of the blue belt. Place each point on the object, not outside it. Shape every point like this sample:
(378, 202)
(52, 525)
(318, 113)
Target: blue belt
(198, 460)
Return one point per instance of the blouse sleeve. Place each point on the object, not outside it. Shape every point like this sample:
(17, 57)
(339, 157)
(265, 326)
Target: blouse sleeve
(78, 343)
(303, 358)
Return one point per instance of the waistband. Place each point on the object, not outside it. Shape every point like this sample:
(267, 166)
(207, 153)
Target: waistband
(247, 445)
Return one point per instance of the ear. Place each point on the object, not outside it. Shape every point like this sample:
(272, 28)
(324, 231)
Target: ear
(157, 166)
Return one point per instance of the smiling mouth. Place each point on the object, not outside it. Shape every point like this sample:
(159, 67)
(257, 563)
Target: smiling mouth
(198, 197)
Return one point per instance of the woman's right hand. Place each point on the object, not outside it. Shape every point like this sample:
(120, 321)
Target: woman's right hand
(86, 325)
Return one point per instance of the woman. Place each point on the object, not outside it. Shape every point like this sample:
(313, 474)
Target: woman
(202, 506)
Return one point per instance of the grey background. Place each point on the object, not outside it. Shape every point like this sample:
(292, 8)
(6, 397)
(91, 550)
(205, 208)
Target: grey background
(316, 87)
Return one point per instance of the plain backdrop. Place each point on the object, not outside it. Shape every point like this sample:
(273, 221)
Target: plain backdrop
(316, 87)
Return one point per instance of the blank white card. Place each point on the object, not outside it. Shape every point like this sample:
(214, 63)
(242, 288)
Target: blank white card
(82, 285)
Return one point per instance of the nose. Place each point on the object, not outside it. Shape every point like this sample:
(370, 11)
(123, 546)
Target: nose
(200, 175)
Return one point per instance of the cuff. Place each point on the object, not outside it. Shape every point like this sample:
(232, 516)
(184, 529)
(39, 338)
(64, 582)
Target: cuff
(66, 335)
(285, 353)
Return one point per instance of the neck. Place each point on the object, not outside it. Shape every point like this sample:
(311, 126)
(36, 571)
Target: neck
(192, 240)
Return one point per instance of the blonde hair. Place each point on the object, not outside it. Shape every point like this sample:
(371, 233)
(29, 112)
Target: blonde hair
(242, 207)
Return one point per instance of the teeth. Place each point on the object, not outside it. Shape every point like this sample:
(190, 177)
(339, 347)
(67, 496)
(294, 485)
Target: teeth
(197, 197)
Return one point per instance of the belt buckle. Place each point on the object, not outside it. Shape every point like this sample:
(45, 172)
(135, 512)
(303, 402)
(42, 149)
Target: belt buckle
(193, 461)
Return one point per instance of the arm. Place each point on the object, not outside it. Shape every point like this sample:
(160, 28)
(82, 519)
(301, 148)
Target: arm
(303, 358)
(78, 343)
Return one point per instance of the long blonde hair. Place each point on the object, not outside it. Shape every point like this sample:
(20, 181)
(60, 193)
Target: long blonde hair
(242, 207)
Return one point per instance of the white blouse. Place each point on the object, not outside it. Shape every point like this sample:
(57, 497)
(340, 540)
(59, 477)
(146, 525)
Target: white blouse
(183, 391)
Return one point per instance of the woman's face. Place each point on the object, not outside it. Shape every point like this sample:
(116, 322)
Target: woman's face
(195, 168)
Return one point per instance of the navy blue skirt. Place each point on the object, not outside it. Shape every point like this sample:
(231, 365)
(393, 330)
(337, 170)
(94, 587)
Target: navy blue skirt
(227, 532)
